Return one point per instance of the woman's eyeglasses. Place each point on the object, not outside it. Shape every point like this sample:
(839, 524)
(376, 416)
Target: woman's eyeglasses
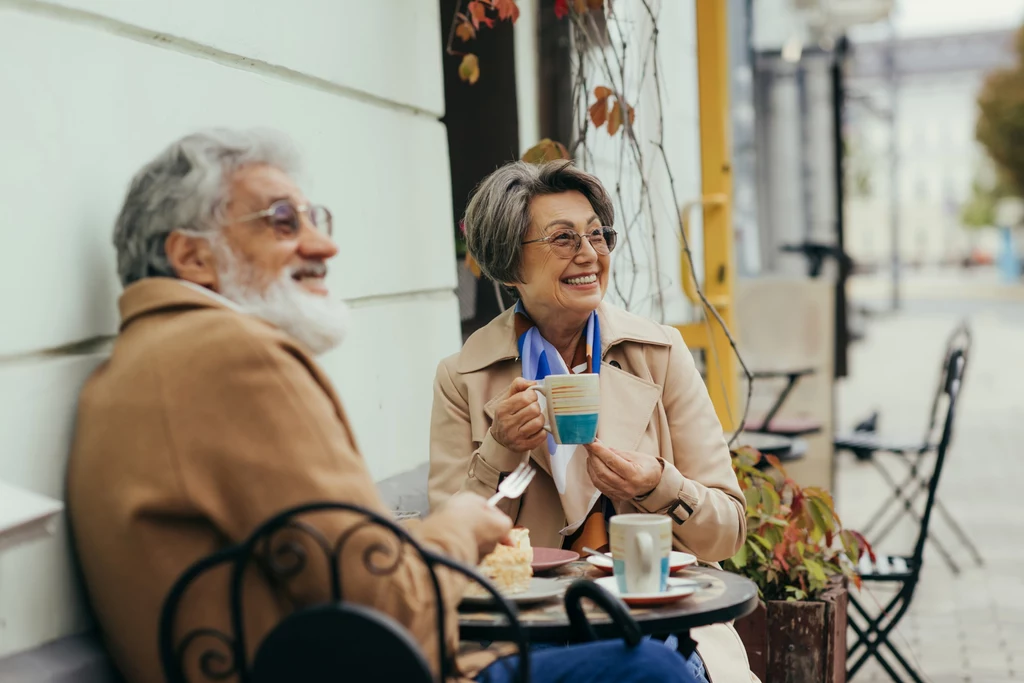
(567, 243)
(284, 218)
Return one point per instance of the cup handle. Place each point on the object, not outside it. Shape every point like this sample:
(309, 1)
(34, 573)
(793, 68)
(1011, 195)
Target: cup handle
(540, 390)
(645, 547)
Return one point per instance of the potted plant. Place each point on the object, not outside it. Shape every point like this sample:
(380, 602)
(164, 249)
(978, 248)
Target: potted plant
(801, 559)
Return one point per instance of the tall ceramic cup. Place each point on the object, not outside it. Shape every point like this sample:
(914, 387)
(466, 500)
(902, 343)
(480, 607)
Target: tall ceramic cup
(571, 404)
(641, 546)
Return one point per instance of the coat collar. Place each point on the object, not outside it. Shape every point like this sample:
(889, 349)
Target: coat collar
(155, 294)
(496, 341)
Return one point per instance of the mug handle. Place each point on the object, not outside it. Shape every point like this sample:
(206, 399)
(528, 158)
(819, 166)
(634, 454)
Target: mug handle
(645, 546)
(547, 420)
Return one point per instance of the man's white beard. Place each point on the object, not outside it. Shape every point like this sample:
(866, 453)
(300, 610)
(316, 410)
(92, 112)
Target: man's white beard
(319, 322)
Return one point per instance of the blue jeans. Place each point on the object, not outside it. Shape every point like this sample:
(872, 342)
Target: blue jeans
(604, 661)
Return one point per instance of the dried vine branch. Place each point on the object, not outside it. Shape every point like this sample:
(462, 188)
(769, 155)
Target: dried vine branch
(584, 26)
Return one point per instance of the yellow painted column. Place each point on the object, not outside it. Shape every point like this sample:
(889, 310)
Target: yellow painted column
(722, 373)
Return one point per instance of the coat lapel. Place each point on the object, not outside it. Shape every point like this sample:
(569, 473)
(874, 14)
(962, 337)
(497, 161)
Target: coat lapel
(627, 404)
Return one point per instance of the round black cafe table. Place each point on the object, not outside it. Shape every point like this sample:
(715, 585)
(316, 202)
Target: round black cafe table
(723, 597)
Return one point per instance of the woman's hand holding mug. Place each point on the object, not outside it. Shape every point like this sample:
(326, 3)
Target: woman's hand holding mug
(518, 418)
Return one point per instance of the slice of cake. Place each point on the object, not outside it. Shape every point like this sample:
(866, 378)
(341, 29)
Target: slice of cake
(508, 566)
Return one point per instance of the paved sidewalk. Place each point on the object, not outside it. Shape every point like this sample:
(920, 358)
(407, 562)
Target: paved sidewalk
(970, 627)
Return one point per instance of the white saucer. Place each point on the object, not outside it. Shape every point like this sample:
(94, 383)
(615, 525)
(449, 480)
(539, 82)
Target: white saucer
(676, 561)
(677, 590)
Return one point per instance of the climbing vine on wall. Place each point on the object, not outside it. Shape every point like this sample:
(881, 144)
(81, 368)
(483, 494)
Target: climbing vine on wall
(609, 109)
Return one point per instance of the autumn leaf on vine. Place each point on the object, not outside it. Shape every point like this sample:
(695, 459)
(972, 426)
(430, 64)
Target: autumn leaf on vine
(600, 115)
(507, 9)
(599, 109)
(545, 150)
(465, 29)
(469, 69)
(478, 12)
(615, 118)
(561, 8)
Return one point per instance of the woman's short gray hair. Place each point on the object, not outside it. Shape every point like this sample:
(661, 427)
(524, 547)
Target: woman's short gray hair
(498, 215)
(186, 188)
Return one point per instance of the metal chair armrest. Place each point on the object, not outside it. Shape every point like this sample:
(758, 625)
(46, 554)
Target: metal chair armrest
(612, 606)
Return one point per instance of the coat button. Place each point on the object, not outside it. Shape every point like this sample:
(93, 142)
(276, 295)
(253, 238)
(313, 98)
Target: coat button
(615, 364)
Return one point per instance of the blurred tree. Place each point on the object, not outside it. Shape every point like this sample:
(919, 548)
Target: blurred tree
(1000, 126)
(988, 187)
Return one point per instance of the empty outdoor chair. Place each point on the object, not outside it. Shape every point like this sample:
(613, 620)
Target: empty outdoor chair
(865, 445)
(874, 632)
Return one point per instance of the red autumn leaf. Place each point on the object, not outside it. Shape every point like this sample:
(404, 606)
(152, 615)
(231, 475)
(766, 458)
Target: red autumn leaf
(602, 93)
(465, 29)
(507, 9)
(478, 11)
(775, 462)
(469, 69)
(797, 506)
(561, 8)
(599, 112)
(615, 118)
(581, 6)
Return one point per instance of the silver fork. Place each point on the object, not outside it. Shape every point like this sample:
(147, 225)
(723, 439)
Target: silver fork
(515, 483)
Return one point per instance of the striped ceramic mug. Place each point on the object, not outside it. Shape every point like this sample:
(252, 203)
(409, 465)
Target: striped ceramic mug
(570, 404)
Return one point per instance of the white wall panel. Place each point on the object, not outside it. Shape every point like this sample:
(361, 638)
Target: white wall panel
(38, 595)
(83, 110)
(387, 48)
(384, 373)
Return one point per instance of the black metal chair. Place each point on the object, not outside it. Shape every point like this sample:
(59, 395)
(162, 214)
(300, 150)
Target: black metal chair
(333, 641)
(864, 444)
(875, 632)
(582, 631)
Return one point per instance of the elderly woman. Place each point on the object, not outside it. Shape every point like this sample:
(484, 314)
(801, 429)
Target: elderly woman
(545, 230)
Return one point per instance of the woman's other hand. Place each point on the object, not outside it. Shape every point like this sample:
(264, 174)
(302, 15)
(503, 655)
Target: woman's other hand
(518, 419)
(622, 475)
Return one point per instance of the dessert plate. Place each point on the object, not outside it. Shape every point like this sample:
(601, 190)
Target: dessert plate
(546, 559)
(539, 590)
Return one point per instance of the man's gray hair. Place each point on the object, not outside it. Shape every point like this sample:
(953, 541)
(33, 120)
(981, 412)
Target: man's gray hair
(186, 189)
(498, 215)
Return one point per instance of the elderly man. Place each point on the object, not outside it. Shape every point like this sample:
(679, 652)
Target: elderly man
(211, 416)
